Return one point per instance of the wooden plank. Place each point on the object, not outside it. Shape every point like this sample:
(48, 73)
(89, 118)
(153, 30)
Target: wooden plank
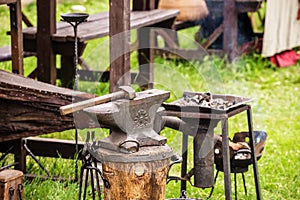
(30, 107)
(54, 148)
(97, 25)
(7, 1)
(46, 11)
(119, 37)
(6, 55)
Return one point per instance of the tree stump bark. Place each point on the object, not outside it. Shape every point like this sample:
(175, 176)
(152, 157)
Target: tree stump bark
(140, 175)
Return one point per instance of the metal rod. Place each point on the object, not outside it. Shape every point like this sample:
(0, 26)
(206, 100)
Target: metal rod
(184, 160)
(80, 183)
(213, 187)
(35, 159)
(6, 153)
(85, 183)
(244, 183)
(226, 159)
(92, 184)
(97, 179)
(253, 156)
(8, 166)
(235, 186)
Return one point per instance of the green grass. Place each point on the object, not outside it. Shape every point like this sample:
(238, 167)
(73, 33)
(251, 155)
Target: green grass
(275, 109)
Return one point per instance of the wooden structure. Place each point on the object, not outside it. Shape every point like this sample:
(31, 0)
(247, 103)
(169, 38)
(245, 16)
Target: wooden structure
(16, 34)
(50, 38)
(229, 28)
(11, 185)
(30, 108)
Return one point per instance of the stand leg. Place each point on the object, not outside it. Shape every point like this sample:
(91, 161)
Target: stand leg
(226, 159)
(244, 182)
(235, 186)
(98, 183)
(184, 160)
(253, 156)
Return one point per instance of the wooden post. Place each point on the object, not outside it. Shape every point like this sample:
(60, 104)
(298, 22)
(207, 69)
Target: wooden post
(20, 155)
(16, 37)
(230, 29)
(46, 11)
(119, 33)
(145, 54)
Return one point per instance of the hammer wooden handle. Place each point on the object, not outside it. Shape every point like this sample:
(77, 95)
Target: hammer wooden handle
(64, 110)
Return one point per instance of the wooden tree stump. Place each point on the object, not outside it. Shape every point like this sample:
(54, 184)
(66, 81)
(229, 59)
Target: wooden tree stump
(140, 175)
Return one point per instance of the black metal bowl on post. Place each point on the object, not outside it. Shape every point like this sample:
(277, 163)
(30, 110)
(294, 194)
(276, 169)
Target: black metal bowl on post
(75, 17)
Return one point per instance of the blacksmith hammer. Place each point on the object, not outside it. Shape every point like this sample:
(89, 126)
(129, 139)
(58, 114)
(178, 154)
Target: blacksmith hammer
(125, 92)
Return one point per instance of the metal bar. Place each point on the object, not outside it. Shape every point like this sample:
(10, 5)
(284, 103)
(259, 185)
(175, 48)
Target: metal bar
(97, 183)
(235, 186)
(80, 182)
(196, 115)
(237, 110)
(253, 156)
(226, 159)
(35, 159)
(85, 183)
(8, 166)
(92, 184)
(184, 160)
(244, 183)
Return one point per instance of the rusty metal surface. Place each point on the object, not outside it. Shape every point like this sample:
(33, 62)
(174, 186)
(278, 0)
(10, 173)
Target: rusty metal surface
(188, 103)
(132, 121)
(145, 154)
(209, 109)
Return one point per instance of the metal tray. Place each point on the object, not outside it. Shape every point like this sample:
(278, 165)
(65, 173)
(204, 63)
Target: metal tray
(183, 106)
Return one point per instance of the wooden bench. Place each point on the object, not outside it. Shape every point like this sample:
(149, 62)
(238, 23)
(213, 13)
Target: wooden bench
(228, 27)
(50, 38)
(6, 54)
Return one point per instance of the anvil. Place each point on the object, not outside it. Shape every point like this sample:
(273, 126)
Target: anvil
(131, 121)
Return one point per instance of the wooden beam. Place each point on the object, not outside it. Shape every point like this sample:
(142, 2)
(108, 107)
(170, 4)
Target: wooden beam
(7, 1)
(16, 37)
(230, 29)
(119, 34)
(30, 108)
(46, 11)
(54, 148)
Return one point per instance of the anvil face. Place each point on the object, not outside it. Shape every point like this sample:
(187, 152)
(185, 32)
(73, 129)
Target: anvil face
(131, 121)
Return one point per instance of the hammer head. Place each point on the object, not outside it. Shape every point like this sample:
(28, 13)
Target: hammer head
(129, 92)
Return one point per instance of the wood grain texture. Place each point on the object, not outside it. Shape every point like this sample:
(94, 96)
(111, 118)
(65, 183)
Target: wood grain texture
(30, 108)
(143, 180)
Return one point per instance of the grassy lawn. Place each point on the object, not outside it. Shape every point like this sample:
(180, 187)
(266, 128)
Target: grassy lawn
(276, 94)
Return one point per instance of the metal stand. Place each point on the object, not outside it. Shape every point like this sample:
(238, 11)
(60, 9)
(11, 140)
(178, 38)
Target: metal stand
(89, 165)
(223, 117)
(74, 19)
